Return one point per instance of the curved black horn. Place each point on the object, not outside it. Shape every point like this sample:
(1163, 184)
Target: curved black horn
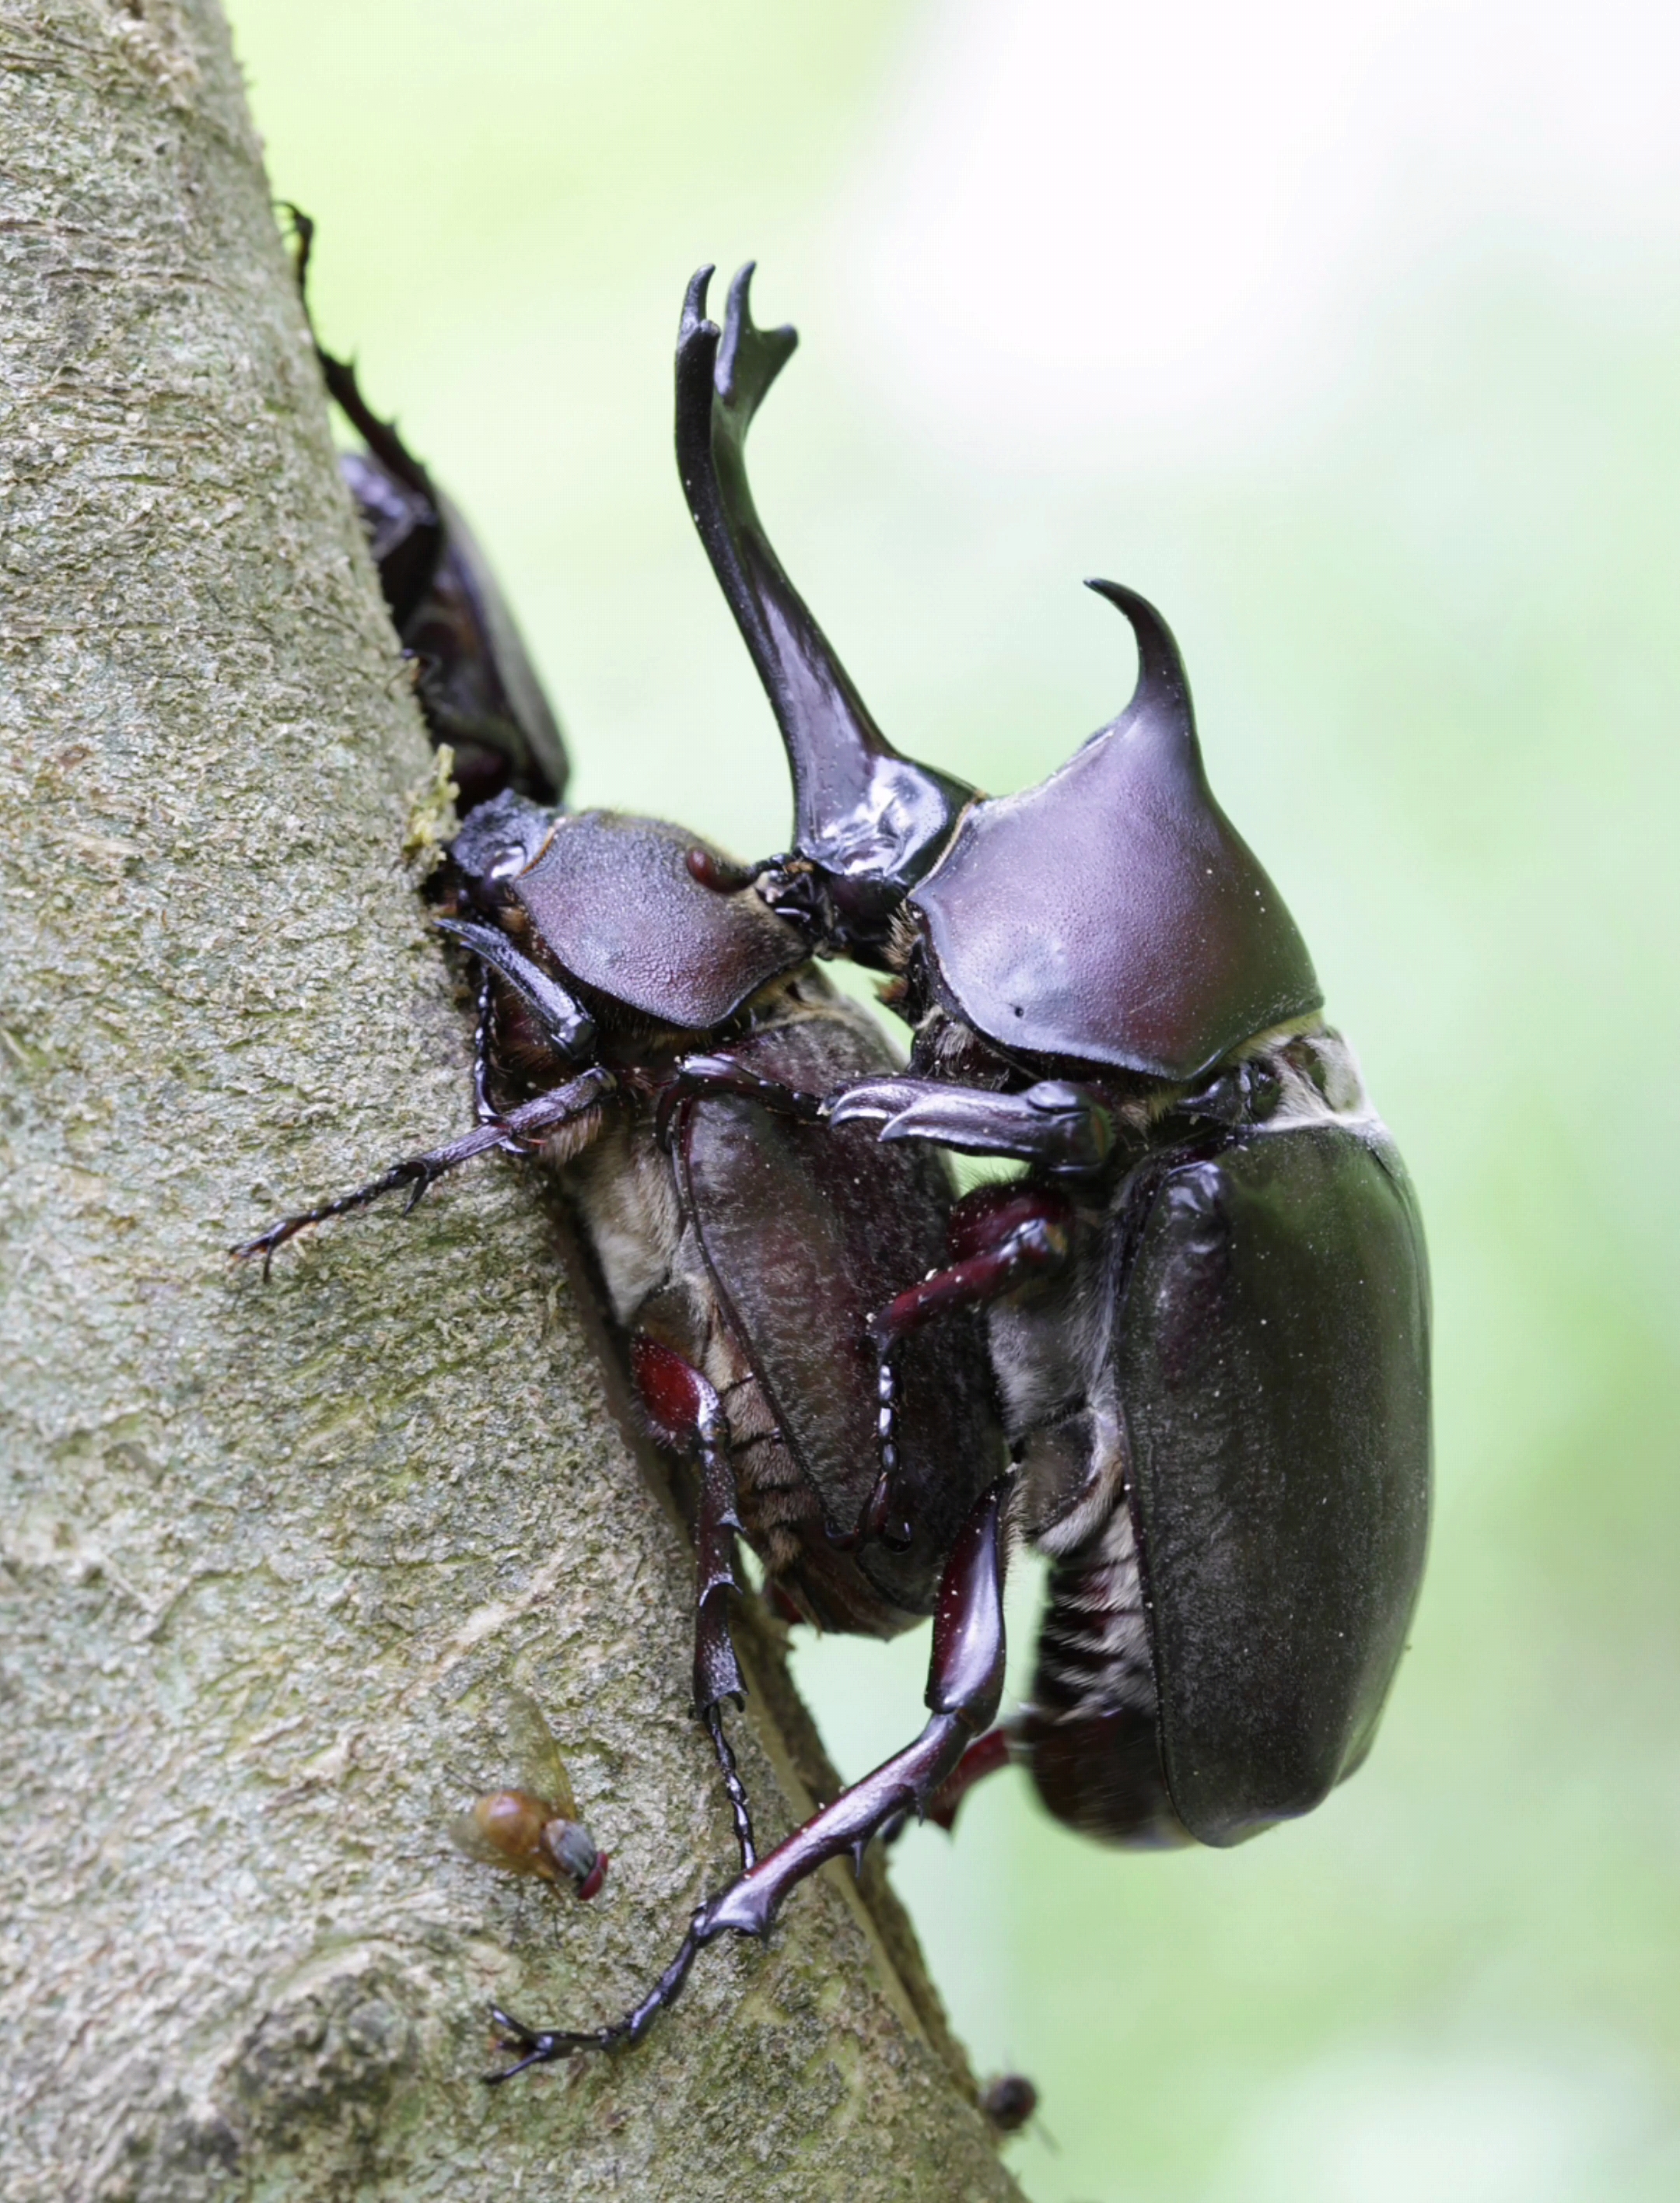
(872, 820)
(1113, 914)
(1163, 689)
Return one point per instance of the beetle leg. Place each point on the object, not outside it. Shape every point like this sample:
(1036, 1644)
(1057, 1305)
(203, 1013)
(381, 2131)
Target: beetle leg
(1056, 1124)
(380, 436)
(696, 1076)
(482, 1027)
(526, 1126)
(1029, 1237)
(541, 2046)
(686, 1412)
(986, 1755)
(566, 1024)
(965, 1680)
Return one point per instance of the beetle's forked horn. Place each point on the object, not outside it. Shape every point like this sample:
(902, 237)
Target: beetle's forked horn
(870, 819)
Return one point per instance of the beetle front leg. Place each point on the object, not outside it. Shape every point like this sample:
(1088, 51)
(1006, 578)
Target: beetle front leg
(686, 1413)
(567, 1025)
(526, 1127)
(1055, 1125)
(696, 1076)
(484, 1025)
(965, 1682)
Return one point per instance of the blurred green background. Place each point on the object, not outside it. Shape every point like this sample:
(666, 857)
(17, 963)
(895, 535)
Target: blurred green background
(1352, 338)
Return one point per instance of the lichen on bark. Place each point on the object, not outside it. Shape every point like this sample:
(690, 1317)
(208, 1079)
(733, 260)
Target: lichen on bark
(271, 1555)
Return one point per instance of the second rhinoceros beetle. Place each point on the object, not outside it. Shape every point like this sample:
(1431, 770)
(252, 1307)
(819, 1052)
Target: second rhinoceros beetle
(1205, 1293)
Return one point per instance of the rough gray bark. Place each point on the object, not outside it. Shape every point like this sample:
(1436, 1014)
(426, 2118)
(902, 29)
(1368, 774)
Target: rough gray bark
(271, 1556)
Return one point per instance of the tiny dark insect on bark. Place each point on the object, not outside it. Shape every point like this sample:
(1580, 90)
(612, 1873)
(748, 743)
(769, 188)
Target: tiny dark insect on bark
(1201, 1305)
(1008, 2102)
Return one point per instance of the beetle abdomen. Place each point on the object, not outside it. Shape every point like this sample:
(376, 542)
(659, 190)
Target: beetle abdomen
(1090, 1730)
(1273, 1361)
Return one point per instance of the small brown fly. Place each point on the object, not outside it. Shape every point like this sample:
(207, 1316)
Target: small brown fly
(534, 1830)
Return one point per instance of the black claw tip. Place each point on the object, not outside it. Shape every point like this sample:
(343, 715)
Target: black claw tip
(513, 2035)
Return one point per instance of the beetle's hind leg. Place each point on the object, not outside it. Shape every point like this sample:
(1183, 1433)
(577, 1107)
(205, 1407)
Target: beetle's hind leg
(965, 1680)
(523, 1128)
(988, 1755)
(542, 2045)
(687, 1414)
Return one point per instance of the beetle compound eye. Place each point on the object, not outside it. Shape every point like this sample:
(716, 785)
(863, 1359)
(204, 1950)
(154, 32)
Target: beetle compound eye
(590, 1887)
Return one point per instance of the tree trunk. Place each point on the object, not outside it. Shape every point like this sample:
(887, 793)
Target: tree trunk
(272, 1556)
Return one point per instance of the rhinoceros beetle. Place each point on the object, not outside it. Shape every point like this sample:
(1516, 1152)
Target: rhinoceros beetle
(1205, 1293)
(741, 1246)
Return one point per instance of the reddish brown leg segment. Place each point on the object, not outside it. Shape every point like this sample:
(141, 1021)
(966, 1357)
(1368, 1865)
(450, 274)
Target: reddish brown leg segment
(986, 1755)
(687, 1415)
